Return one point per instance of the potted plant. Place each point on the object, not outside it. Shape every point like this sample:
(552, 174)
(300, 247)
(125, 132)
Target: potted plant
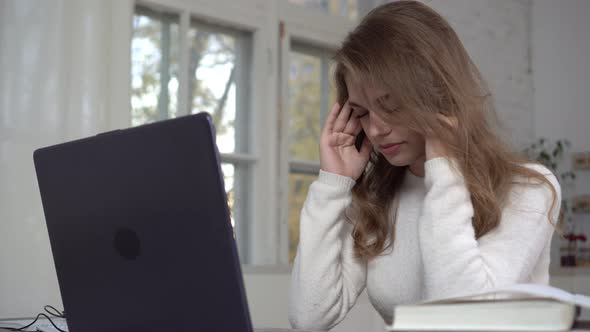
(569, 259)
(552, 155)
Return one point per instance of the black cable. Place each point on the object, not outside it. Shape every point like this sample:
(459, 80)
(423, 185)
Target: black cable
(52, 323)
(26, 326)
(33, 323)
(54, 312)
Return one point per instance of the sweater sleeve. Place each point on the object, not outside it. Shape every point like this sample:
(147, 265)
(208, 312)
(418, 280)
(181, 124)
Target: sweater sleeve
(327, 277)
(455, 262)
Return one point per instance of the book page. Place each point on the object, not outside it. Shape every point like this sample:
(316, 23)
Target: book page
(547, 291)
(521, 291)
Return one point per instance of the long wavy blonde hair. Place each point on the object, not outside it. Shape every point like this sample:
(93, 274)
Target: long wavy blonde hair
(410, 51)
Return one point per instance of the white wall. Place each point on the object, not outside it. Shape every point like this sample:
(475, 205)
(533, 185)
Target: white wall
(497, 36)
(561, 64)
(58, 81)
(561, 79)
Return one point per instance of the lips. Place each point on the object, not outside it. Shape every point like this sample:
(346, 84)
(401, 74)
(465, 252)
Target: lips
(390, 149)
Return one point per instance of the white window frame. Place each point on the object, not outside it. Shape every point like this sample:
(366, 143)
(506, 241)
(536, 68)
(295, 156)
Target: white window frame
(273, 24)
(260, 246)
(309, 31)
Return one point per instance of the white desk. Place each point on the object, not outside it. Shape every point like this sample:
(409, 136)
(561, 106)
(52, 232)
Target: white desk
(45, 326)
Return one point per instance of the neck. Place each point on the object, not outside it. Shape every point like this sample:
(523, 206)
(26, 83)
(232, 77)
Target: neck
(417, 168)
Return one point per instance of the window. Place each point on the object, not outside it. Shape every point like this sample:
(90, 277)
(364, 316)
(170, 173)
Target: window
(308, 40)
(345, 8)
(154, 66)
(218, 74)
(218, 64)
(261, 68)
(310, 98)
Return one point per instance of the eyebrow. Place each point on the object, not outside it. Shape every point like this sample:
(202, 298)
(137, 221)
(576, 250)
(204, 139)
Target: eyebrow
(354, 104)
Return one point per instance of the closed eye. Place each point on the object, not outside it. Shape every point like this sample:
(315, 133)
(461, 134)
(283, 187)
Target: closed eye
(360, 113)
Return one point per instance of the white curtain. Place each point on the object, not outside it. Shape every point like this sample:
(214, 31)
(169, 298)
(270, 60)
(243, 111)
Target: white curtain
(64, 74)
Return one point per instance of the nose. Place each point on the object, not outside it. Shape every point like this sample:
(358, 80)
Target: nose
(376, 126)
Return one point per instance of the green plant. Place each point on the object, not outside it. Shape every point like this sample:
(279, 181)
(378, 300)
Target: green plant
(551, 154)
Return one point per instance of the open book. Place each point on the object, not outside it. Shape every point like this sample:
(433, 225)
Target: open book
(522, 307)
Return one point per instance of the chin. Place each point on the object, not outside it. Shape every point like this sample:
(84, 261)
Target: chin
(398, 160)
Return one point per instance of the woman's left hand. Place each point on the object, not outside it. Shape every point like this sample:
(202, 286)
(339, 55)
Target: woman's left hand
(434, 147)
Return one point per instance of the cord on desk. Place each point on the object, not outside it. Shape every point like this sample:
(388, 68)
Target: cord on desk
(51, 311)
(54, 312)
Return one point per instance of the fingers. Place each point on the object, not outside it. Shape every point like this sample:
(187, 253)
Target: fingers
(331, 119)
(353, 127)
(342, 119)
(345, 140)
(341, 140)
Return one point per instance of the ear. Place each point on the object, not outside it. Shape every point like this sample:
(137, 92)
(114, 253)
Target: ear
(449, 120)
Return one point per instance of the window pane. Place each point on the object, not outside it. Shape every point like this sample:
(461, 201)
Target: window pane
(345, 8)
(218, 68)
(218, 82)
(311, 95)
(154, 67)
(236, 187)
(305, 102)
(228, 179)
(298, 186)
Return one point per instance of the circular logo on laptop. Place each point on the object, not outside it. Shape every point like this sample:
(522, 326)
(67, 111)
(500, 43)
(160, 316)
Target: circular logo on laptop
(127, 243)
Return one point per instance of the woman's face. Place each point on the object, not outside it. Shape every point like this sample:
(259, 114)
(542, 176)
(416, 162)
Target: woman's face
(399, 145)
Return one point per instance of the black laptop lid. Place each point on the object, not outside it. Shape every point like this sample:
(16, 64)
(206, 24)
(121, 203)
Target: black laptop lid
(140, 230)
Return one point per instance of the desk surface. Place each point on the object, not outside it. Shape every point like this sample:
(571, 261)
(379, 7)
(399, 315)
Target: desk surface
(44, 325)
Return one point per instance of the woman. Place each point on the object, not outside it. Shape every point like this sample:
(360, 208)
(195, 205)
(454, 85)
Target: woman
(417, 198)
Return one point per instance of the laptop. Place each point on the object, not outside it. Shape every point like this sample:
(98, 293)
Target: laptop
(140, 230)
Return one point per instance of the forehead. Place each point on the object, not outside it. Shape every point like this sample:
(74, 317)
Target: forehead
(364, 93)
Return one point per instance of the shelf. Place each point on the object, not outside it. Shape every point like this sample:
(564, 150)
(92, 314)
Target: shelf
(570, 271)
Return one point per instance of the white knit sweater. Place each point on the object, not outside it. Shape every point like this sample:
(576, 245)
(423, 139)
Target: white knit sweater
(435, 253)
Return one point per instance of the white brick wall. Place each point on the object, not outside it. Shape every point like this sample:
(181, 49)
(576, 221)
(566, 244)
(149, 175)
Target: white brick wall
(497, 36)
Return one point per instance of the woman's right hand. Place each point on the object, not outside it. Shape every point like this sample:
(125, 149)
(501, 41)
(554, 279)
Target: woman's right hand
(338, 154)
